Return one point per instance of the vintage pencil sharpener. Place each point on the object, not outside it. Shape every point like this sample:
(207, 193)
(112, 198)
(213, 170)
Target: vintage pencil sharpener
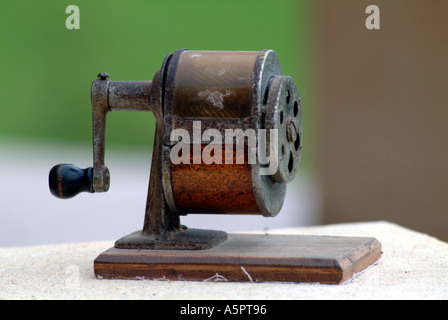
(228, 139)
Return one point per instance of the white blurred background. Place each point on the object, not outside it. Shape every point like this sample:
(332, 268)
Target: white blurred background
(30, 215)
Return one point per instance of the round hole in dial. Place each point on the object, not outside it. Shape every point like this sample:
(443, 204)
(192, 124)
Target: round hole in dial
(296, 108)
(297, 143)
(291, 162)
(288, 97)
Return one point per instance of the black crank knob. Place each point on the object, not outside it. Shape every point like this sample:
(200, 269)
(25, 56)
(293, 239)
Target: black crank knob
(67, 180)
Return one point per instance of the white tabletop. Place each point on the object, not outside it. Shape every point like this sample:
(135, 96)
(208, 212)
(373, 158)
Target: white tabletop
(413, 266)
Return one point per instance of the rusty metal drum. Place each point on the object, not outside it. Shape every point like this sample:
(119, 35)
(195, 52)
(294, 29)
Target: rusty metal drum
(220, 92)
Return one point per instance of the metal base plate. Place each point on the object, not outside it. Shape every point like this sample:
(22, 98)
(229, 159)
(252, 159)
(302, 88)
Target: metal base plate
(248, 257)
(183, 239)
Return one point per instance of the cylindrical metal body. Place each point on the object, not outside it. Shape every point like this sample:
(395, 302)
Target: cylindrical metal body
(226, 92)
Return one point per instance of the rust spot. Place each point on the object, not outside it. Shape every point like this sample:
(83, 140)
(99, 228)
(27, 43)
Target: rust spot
(214, 188)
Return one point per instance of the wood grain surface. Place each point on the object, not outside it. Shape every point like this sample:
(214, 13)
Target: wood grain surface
(248, 257)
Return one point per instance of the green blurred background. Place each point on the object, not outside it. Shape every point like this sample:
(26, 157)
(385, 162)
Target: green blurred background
(47, 69)
(374, 104)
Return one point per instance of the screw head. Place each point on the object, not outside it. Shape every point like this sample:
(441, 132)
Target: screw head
(103, 75)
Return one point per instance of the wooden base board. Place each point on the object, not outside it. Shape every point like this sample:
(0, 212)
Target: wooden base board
(248, 257)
